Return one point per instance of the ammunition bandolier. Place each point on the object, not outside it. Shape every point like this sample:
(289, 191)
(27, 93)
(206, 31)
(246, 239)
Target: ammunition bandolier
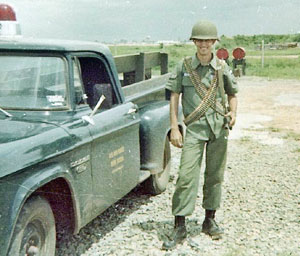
(208, 96)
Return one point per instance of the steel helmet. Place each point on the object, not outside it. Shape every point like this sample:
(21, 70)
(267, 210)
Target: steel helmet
(204, 29)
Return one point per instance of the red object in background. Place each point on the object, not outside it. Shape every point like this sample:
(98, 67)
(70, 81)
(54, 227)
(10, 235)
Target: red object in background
(239, 53)
(222, 54)
(7, 13)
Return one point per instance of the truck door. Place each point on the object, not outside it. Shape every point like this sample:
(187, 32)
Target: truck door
(115, 146)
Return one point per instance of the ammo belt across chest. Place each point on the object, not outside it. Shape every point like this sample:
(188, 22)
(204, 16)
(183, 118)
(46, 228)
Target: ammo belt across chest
(208, 95)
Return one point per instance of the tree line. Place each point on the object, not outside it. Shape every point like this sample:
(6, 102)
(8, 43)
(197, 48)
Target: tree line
(254, 40)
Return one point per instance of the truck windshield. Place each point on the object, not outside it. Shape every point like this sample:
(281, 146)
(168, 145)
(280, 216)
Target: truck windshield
(32, 82)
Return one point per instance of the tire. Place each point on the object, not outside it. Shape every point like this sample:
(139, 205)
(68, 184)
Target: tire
(157, 183)
(34, 233)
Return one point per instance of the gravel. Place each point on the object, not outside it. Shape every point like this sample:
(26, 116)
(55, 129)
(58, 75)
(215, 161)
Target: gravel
(260, 211)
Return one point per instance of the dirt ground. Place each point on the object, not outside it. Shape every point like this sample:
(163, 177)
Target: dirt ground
(268, 104)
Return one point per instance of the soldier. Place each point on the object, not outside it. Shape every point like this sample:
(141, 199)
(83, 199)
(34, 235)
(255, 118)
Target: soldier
(206, 84)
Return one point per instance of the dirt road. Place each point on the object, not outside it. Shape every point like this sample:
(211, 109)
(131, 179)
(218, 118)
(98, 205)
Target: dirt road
(277, 102)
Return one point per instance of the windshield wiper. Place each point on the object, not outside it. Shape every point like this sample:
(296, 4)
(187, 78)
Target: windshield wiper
(5, 112)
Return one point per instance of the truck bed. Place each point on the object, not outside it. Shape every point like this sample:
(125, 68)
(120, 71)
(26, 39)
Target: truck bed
(135, 71)
(147, 90)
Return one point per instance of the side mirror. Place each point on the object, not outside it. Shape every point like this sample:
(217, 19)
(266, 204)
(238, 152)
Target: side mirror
(89, 118)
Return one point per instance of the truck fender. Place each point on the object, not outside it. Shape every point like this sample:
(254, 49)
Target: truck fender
(155, 125)
(18, 188)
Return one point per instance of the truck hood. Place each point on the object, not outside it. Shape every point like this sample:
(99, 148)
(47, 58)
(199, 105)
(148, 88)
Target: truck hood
(24, 143)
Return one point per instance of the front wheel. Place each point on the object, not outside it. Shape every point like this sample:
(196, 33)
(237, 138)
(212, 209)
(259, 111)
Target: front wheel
(35, 229)
(157, 183)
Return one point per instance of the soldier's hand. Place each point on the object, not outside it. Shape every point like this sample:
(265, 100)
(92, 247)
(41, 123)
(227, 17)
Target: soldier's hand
(176, 138)
(232, 116)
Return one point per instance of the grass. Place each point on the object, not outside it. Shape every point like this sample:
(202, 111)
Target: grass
(274, 129)
(274, 68)
(285, 52)
(292, 135)
(285, 68)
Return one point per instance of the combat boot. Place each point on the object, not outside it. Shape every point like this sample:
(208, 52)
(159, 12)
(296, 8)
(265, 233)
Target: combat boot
(178, 235)
(210, 227)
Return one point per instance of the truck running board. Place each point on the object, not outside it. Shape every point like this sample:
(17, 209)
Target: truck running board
(144, 175)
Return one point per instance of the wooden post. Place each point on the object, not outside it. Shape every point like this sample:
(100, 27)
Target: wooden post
(163, 63)
(148, 73)
(140, 68)
(244, 67)
(129, 78)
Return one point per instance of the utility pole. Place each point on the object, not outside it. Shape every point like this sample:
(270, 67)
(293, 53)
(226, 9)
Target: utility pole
(262, 53)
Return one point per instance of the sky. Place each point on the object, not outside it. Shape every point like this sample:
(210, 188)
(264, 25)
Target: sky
(137, 20)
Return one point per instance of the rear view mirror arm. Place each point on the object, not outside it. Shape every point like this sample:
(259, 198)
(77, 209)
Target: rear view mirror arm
(89, 118)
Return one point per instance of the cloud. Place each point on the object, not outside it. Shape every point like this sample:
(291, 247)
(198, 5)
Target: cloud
(108, 20)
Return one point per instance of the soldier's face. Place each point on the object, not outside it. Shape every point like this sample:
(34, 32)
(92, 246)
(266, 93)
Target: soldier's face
(204, 46)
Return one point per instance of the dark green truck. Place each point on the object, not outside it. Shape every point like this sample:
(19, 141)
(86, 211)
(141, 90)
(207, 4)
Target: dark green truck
(63, 162)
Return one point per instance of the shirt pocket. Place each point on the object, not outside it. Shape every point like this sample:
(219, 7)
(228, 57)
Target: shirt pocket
(188, 87)
(190, 96)
(186, 81)
(173, 84)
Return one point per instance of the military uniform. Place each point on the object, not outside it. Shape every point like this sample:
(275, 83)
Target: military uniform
(208, 131)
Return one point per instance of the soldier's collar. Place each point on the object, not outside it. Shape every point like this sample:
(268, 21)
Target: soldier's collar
(196, 62)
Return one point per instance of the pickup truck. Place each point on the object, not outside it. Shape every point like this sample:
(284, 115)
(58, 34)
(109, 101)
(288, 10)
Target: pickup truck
(76, 136)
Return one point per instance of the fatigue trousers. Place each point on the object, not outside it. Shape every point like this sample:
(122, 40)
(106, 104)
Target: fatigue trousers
(185, 195)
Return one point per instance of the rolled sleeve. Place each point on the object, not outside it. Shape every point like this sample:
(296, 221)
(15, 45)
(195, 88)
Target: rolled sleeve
(174, 83)
(230, 83)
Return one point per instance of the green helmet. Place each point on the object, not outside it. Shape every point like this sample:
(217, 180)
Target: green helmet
(204, 29)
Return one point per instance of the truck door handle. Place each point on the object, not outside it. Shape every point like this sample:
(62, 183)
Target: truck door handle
(131, 111)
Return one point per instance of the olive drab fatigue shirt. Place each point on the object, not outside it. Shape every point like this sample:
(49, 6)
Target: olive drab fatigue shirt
(180, 82)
